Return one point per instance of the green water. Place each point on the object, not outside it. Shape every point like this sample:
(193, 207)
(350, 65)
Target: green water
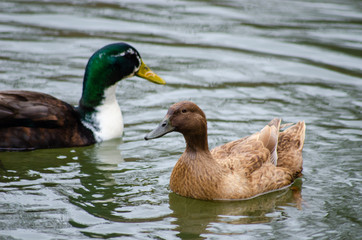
(242, 62)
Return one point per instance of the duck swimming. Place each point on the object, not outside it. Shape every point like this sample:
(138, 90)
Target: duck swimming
(33, 120)
(265, 161)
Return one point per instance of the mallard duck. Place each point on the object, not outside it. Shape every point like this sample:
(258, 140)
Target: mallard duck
(265, 161)
(33, 120)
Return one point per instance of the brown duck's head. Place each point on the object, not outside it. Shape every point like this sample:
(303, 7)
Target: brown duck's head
(184, 117)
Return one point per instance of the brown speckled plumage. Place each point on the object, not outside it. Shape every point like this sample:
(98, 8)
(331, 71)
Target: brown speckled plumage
(31, 120)
(265, 161)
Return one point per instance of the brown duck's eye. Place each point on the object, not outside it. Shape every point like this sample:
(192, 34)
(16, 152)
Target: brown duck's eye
(183, 110)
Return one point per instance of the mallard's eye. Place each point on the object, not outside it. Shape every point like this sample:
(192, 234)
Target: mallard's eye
(183, 110)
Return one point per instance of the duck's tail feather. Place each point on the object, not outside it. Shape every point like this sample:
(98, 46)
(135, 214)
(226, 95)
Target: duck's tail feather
(290, 146)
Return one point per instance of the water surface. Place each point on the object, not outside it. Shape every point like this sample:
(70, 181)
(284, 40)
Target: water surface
(243, 62)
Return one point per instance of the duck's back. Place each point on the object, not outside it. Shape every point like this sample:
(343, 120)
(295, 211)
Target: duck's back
(267, 160)
(32, 120)
(250, 153)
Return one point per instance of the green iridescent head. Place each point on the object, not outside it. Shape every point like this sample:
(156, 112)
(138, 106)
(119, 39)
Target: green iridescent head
(109, 65)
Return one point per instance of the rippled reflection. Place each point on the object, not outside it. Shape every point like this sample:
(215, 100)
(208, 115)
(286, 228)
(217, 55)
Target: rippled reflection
(195, 218)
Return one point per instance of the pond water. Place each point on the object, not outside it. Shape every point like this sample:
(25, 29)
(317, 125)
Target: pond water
(243, 62)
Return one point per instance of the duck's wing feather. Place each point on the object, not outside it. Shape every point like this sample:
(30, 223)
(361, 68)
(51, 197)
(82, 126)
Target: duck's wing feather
(269, 137)
(32, 109)
(31, 120)
(250, 153)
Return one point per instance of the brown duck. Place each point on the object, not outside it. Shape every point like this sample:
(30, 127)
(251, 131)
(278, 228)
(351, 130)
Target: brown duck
(265, 161)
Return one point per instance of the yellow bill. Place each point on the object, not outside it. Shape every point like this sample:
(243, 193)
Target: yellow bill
(146, 73)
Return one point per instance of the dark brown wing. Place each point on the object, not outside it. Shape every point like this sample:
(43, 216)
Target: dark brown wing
(30, 120)
(32, 109)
